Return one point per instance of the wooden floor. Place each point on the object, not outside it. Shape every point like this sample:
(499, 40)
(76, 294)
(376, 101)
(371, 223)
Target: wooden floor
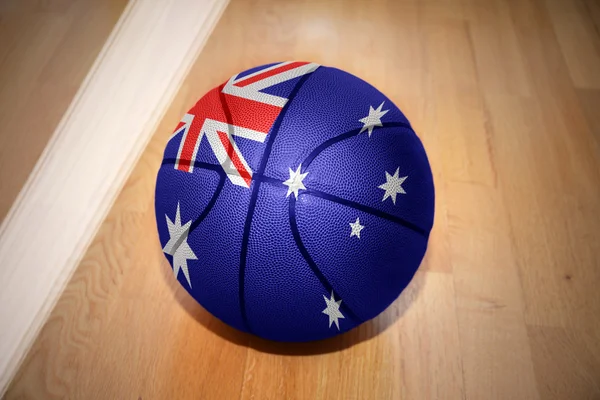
(505, 95)
(47, 48)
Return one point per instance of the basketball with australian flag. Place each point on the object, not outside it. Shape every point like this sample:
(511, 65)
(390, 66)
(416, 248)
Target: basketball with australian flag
(294, 201)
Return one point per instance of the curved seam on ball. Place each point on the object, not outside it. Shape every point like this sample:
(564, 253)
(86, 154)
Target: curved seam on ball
(346, 135)
(313, 266)
(323, 195)
(254, 198)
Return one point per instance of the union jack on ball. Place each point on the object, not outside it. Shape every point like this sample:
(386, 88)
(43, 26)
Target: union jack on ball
(294, 201)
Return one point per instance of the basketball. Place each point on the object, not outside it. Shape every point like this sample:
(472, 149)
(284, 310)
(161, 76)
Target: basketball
(294, 201)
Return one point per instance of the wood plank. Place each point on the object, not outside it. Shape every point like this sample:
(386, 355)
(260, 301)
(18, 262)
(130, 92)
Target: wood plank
(578, 39)
(590, 103)
(21, 141)
(454, 93)
(489, 296)
(558, 158)
(559, 353)
(558, 265)
(528, 167)
(550, 80)
(429, 342)
(592, 8)
(500, 67)
(46, 50)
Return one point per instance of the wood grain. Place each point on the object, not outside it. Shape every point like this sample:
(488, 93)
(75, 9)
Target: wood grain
(46, 50)
(503, 94)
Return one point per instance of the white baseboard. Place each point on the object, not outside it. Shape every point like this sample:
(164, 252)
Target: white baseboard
(91, 153)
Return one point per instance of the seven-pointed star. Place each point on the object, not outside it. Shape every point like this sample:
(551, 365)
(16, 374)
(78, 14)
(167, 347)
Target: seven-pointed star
(356, 228)
(178, 247)
(333, 310)
(393, 185)
(373, 119)
(294, 184)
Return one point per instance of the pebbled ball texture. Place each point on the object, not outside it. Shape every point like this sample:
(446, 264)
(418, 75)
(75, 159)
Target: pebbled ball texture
(288, 267)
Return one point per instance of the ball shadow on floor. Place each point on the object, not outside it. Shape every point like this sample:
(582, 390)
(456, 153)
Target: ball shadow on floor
(364, 332)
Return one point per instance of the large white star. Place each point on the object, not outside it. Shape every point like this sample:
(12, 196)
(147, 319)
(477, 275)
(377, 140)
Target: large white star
(393, 185)
(333, 310)
(356, 228)
(373, 119)
(178, 247)
(294, 184)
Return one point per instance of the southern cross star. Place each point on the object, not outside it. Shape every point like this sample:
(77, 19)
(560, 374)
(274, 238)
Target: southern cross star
(356, 228)
(373, 119)
(294, 184)
(178, 247)
(333, 310)
(393, 185)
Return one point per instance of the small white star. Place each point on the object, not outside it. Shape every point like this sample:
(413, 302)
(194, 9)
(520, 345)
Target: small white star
(393, 185)
(178, 247)
(356, 228)
(333, 310)
(373, 119)
(294, 184)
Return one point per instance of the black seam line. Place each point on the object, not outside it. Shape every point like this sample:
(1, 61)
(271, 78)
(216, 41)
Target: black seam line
(309, 159)
(220, 171)
(366, 209)
(210, 204)
(222, 177)
(254, 197)
(313, 266)
(326, 196)
(197, 164)
(268, 179)
(346, 135)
